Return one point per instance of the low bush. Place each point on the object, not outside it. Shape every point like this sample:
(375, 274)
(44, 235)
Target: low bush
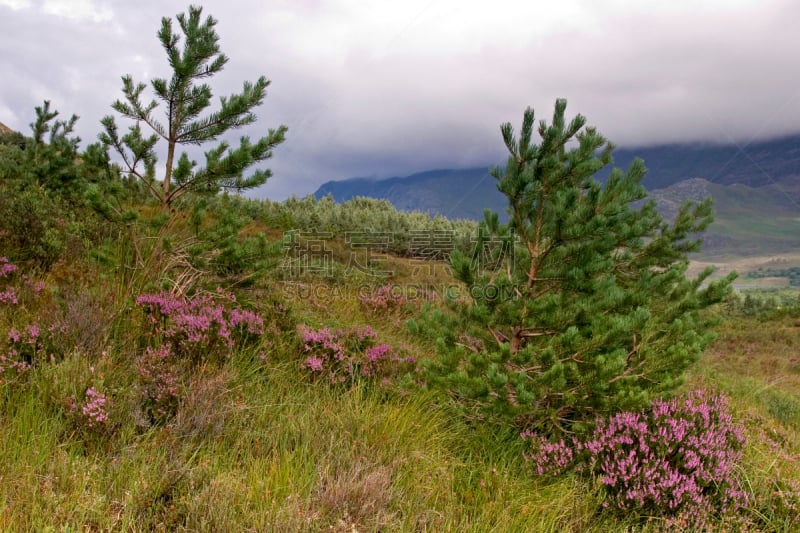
(8, 295)
(89, 413)
(159, 381)
(678, 460)
(347, 355)
(200, 328)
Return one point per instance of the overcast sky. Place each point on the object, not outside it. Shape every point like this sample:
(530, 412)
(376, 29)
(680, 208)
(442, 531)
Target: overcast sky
(385, 88)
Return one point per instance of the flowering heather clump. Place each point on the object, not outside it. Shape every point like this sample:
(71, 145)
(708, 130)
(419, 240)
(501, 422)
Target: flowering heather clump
(384, 298)
(677, 460)
(92, 412)
(26, 289)
(25, 349)
(95, 408)
(196, 327)
(246, 321)
(344, 355)
(6, 268)
(12, 365)
(7, 296)
(376, 353)
(548, 458)
(157, 375)
(324, 343)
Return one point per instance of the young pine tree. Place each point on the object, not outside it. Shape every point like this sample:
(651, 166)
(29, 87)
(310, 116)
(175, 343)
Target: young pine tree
(194, 56)
(51, 159)
(580, 306)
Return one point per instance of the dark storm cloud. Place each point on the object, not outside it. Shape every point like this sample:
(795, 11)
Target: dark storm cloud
(388, 88)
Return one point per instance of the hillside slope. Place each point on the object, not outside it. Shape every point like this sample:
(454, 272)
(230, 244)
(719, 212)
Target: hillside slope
(748, 221)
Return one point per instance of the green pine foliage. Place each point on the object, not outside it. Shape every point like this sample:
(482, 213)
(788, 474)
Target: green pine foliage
(229, 244)
(580, 306)
(52, 159)
(194, 56)
(50, 189)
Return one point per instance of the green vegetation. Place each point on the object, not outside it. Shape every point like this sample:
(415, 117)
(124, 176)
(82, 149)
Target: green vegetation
(752, 222)
(204, 368)
(584, 309)
(792, 273)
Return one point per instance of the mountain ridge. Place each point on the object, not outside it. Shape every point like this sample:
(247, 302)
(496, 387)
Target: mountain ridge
(463, 193)
(756, 189)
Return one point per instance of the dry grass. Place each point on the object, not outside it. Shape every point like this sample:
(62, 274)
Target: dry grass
(743, 265)
(766, 351)
(356, 497)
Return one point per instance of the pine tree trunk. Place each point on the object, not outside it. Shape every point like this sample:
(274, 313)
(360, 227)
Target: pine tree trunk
(165, 199)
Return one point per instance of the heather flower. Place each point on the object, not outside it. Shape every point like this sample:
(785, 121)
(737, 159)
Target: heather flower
(27, 345)
(163, 303)
(382, 299)
(314, 363)
(548, 458)
(199, 326)
(95, 408)
(347, 354)
(12, 295)
(12, 365)
(8, 296)
(6, 268)
(376, 353)
(392, 297)
(36, 286)
(677, 460)
(365, 333)
(33, 333)
(248, 320)
(324, 342)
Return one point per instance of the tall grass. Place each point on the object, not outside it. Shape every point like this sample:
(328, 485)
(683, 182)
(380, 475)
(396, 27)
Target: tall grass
(269, 453)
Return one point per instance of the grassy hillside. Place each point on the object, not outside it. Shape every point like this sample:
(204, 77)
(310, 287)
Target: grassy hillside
(748, 222)
(240, 365)
(243, 437)
(758, 220)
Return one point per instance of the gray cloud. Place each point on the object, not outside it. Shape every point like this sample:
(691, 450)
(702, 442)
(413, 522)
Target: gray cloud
(388, 88)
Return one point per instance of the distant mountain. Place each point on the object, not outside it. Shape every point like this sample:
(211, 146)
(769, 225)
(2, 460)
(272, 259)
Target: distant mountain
(756, 164)
(756, 190)
(454, 193)
(5, 129)
(463, 193)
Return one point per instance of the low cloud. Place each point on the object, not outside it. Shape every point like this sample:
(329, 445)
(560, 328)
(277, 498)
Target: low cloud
(386, 88)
